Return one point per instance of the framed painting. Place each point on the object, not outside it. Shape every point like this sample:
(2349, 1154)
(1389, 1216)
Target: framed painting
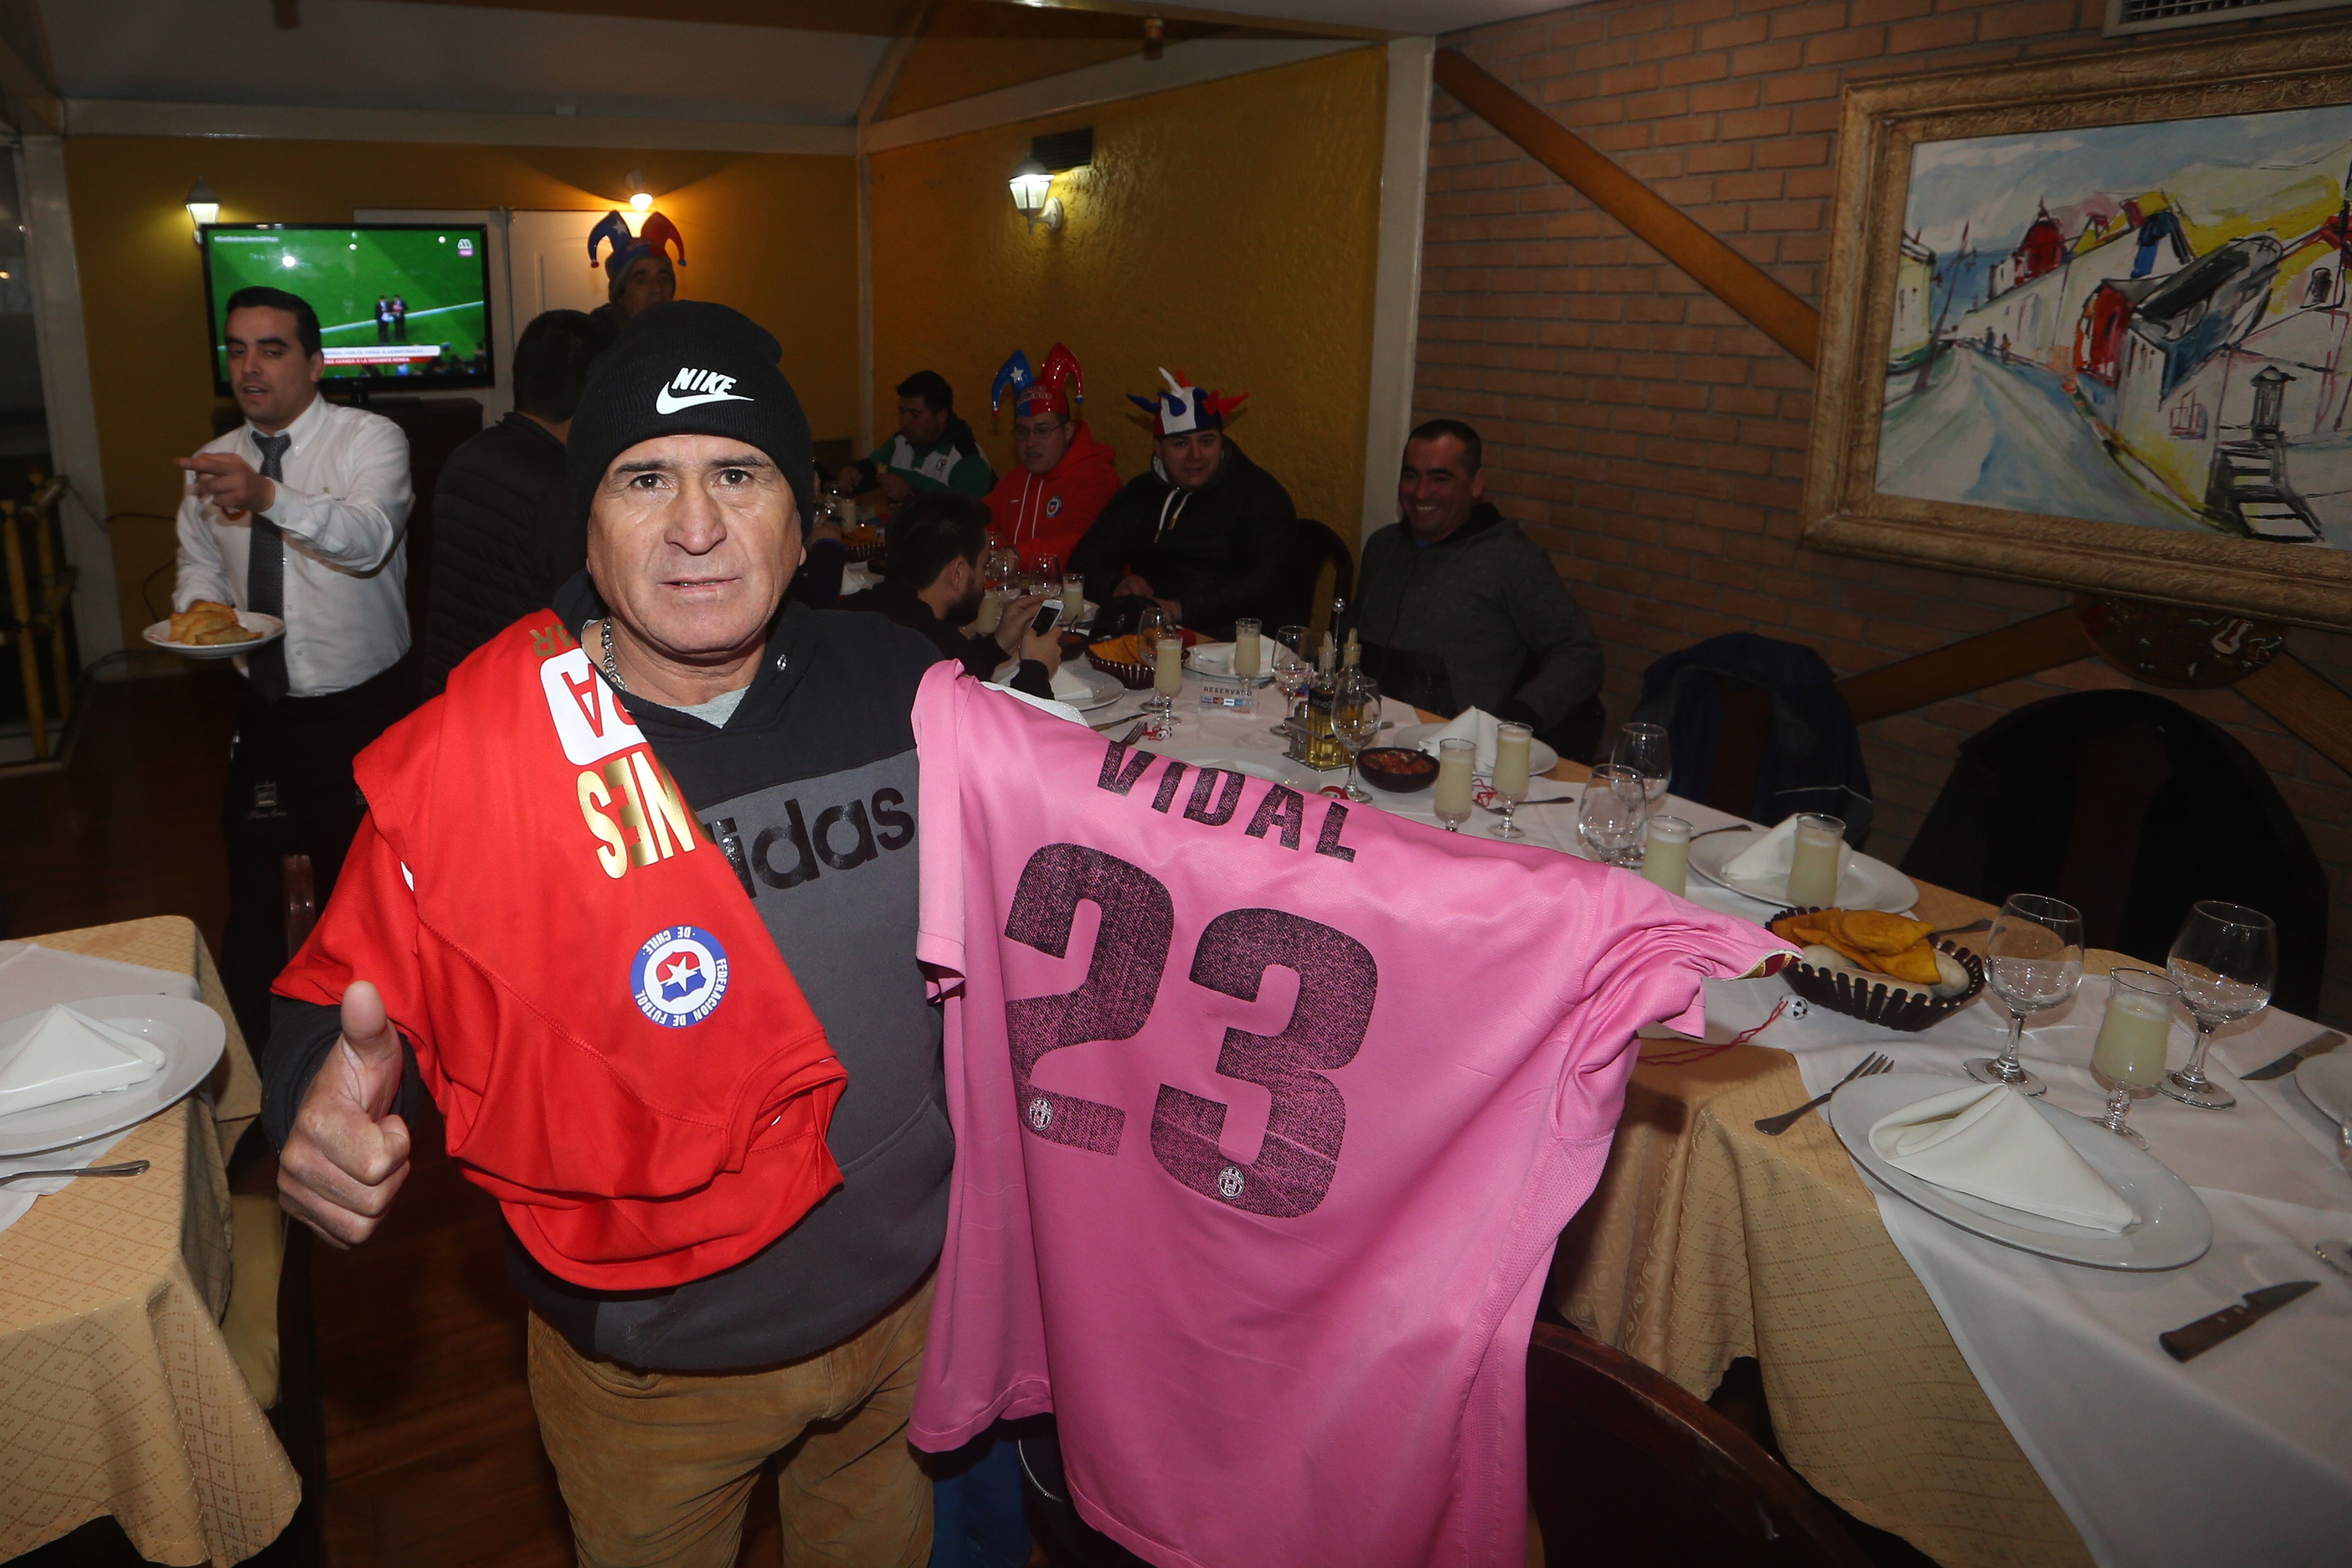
(2088, 322)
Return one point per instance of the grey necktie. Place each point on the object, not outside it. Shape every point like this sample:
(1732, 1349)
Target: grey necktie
(264, 577)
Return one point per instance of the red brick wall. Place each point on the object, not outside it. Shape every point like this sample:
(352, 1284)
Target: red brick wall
(1653, 441)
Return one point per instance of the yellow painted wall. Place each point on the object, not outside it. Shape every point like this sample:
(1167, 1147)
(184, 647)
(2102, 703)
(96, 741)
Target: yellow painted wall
(774, 235)
(1227, 230)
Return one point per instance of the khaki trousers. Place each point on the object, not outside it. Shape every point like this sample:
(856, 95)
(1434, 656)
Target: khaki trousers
(657, 1468)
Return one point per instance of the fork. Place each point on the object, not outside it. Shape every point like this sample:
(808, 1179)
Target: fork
(1869, 1067)
(127, 1168)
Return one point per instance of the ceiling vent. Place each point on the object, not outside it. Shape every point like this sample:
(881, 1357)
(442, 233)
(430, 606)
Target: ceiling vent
(2154, 15)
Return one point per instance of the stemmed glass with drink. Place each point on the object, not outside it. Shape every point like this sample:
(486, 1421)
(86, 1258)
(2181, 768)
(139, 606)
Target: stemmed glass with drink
(1645, 748)
(1814, 857)
(2225, 961)
(1454, 759)
(1609, 814)
(1355, 719)
(1510, 780)
(2129, 1057)
(2034, 961)
(1249, 650)
(1162, 646)
(1665, 854)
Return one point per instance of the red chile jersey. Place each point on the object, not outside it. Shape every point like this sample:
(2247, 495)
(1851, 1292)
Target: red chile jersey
(621, 1054)
(1269, 1110)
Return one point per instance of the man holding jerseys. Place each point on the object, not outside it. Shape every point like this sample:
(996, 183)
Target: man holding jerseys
(635, 900)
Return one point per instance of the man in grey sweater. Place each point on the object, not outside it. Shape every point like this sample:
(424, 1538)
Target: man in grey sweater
(1458, 608)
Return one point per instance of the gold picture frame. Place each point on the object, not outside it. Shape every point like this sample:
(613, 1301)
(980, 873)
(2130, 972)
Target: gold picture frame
(1860, 392)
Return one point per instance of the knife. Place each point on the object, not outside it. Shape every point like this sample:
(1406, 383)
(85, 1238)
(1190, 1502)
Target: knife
(2319, 1044)
(2195, 1339)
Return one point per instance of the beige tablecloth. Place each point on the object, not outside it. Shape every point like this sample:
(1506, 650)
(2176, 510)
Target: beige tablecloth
(117, 1393)
(1709, 1240)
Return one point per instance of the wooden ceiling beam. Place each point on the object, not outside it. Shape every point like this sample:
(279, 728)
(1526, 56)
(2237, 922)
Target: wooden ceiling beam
(1722, 271)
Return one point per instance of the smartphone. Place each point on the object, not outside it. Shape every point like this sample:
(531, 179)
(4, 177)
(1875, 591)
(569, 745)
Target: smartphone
(1047, 614)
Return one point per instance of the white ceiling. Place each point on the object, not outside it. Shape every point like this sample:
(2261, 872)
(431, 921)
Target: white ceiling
(377, 54)
(542, 59)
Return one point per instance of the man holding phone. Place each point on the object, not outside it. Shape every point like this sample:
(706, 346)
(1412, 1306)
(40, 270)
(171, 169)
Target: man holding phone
(931, 583)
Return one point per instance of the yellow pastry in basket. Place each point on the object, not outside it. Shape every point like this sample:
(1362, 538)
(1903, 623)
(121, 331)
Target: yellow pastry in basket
(1874, 931)
(1915, 964)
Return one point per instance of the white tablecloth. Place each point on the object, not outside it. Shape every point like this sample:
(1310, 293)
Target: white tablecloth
(2242, 1455)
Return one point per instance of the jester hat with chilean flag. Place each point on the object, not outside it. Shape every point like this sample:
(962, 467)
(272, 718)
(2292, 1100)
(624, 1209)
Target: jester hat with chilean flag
(1053, 390)
(654, 238)
(1183, 407)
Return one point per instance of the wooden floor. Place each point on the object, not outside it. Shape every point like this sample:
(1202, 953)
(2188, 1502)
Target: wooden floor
(433, 1456)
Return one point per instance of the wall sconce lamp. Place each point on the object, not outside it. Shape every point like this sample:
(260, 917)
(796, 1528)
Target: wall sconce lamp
(203, 206)
(640, 198)
(1033, 182)
(1033, 195)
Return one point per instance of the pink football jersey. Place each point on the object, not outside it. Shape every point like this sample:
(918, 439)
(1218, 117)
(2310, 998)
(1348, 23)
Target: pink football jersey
(1268, 1112)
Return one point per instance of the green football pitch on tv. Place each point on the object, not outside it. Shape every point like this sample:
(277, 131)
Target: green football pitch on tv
(351, 278)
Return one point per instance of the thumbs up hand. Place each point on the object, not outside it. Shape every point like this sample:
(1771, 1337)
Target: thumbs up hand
(349, 1154)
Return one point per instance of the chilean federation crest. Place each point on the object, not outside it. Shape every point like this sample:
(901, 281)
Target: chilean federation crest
(679, 975)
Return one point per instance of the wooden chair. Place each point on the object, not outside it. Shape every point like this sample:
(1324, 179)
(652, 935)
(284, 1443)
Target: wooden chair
(2131, 808)
(1625, 1468)
(1319, 549)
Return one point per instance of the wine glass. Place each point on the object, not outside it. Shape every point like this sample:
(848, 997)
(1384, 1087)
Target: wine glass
(1645, 748)
(1609, 814)
(1293, 672)
(2129, 1060)
(1355, 719)
(2034, 961)
(2224, 960)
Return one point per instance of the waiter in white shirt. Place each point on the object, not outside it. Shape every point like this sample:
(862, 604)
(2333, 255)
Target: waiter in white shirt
(301, 512)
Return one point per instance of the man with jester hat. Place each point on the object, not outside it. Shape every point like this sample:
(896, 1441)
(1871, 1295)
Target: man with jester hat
(637, 271)
(1206, 531)
(1063, 476)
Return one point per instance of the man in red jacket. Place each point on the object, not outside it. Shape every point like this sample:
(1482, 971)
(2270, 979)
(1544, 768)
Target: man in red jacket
(1064, 475)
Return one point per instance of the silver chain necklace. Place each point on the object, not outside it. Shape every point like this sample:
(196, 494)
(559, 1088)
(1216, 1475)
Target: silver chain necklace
(612, 671)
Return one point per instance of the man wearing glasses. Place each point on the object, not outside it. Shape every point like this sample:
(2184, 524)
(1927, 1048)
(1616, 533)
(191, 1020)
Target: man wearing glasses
(1043, 505)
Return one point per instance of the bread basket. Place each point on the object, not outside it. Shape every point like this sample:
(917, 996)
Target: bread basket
(1133, 674)
(1888, 1004)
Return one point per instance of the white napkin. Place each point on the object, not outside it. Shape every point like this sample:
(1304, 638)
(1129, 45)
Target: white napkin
(1470, 724)
(1070, 686)
(1767, 860)
(69, 1054)
(1984, 1140)
(1211, 657)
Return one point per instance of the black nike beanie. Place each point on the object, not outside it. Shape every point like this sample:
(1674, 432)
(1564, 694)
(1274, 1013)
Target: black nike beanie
(689, 368)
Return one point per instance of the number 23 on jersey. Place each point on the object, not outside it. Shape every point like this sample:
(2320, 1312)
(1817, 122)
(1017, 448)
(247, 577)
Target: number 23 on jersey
(1337, 981)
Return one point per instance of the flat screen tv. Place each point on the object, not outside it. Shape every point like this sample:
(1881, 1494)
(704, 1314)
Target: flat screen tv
(401, 306)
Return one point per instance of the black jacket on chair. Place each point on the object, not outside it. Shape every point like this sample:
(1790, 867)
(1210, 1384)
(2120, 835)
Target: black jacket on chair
(489, 568)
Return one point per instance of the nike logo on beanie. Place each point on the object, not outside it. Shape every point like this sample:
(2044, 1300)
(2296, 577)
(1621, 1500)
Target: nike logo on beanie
(690, 387)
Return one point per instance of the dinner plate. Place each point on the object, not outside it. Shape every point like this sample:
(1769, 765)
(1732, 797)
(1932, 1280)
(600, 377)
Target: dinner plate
(1541, 759)
(1102, 691)
(1867, 884)
(1215, 660)
(2327, 1081)
(270, 628)
(189, 1034)
(1269, 768)
(2169, 1224)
